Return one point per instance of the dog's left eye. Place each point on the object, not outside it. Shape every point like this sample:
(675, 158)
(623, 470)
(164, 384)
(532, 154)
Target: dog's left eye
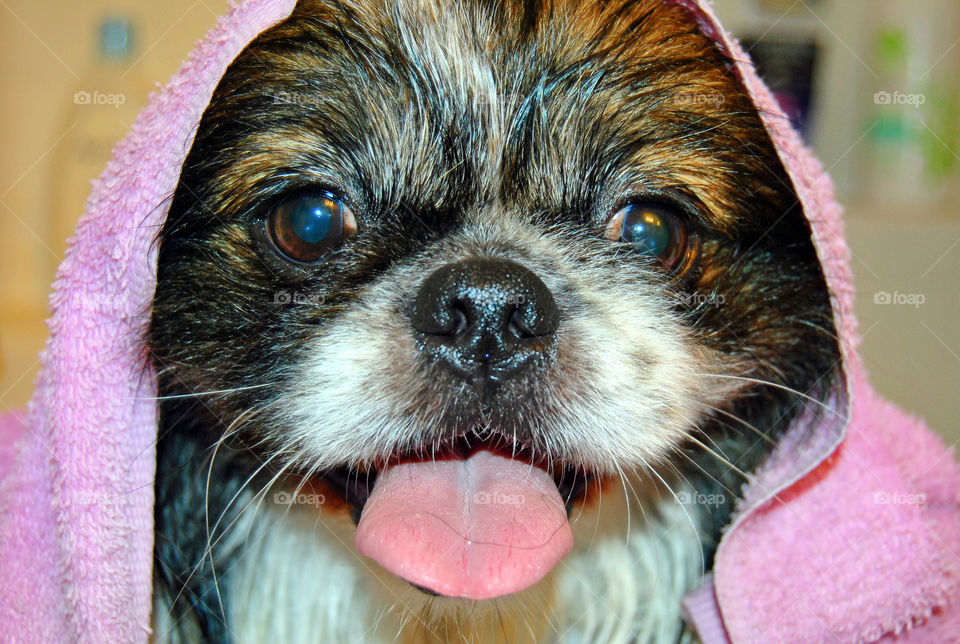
(307, 226)
(654, 229)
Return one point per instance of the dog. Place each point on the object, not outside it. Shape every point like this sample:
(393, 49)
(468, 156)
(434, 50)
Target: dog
(472, 316)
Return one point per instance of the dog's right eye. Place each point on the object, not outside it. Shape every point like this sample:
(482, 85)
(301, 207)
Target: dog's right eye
(656, 230)
(307, 226)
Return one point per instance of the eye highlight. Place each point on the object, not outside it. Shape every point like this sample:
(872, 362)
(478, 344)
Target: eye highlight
(307, 226)
(656, 230)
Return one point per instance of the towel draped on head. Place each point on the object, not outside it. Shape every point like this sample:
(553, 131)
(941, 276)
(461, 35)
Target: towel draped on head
(849, 532)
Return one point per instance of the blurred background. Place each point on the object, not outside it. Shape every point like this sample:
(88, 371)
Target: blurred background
(874, 85)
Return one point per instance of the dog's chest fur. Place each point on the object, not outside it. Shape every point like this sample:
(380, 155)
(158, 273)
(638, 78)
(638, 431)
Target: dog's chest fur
(300, 582)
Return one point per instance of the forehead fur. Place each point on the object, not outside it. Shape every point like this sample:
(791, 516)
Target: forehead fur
(443, 107)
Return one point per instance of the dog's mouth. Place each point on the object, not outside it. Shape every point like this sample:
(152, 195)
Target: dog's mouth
(472, 517)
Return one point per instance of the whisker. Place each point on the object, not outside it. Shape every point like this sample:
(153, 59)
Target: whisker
(719, 457)
(693, 524)
(236, 495)
(208, 552)
(759, 433)
(623, 482)
(732, 493)
(777, 386)
(200, 394)
(206, 508)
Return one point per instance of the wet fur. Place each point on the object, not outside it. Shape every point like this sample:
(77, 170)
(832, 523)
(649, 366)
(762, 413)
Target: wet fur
(505, 128)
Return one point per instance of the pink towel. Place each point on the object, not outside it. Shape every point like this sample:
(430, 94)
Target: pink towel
(850, 532)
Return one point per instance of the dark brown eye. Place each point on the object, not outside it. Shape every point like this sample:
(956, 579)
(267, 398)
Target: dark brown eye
(654, 229)
(306, 227)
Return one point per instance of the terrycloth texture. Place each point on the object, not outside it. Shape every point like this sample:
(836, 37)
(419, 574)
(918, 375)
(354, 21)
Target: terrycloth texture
(823, 577)
(811, 557)
(12, 429)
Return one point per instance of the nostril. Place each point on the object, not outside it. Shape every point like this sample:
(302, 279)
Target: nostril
(461, 319)
(518, 327)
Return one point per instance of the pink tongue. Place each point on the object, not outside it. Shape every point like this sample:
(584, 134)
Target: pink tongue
(475, 528)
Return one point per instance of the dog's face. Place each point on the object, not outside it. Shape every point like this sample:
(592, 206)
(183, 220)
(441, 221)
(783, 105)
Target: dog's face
(551, 232)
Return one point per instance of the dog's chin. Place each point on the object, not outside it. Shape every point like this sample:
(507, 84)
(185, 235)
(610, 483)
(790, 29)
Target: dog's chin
(508, 618)
(476, 516)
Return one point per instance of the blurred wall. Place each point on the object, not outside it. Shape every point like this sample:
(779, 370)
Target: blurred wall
(50, 52)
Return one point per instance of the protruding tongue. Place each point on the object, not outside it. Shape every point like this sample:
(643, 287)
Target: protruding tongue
(475, 528)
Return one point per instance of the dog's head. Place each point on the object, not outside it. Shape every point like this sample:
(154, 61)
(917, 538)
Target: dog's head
(538, 243)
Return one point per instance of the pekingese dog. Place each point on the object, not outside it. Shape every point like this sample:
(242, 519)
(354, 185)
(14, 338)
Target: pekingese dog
(471, 318)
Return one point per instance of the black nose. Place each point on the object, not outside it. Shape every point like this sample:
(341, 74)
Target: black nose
(485, 318)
